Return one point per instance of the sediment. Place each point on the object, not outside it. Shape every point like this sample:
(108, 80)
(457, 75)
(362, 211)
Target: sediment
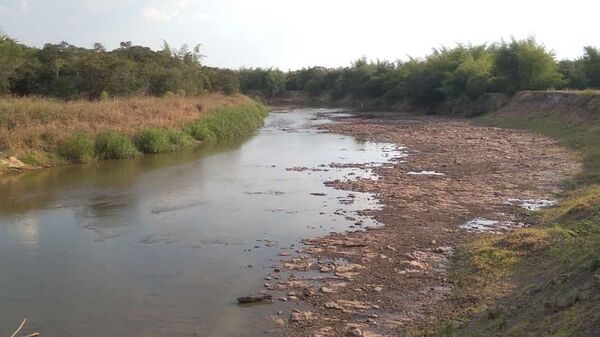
(392, 280)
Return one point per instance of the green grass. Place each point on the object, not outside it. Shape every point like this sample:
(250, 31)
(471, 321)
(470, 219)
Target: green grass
(111, 145)
(158, 140)
(227, 123)
(543, 280)
(79, 148)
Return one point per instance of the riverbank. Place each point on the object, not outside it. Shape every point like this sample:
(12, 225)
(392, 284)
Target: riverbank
(466, 249)
(395, 280)
(38, 132)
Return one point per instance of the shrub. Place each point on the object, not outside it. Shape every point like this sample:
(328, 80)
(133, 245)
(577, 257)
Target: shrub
(79, 148)
(180, 139)
(104, 96)
(181, 93)
(153, 141)
(200, 131)
(111, 145)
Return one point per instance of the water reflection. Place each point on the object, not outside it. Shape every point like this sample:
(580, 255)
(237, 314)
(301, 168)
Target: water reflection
(160, 245)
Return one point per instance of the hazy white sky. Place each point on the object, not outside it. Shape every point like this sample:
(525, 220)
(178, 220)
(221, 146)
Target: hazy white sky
(292, 34)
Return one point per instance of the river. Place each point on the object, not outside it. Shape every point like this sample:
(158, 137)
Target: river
(162, 245)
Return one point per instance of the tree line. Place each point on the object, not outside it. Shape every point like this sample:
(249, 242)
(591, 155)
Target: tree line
(464, 72)
(69, 72)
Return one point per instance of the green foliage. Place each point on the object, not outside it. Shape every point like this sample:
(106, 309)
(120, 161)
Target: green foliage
(79, 148)
(158, 140)
(226, 123)
(11, 58)
(269, 81)
(152, 140)
(200, 131)
(65, 71)
(524, 65)
(111, 145)
(104, 96)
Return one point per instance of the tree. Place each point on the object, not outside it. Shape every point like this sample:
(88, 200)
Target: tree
(524, 65)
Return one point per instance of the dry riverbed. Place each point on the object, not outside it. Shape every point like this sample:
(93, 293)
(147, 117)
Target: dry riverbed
(458, 181)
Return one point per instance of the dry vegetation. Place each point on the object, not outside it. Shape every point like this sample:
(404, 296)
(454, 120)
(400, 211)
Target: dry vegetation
(40, 124)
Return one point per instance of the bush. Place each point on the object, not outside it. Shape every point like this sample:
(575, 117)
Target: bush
(181, 93)
(153, 141)
(156, 140)
(200, 131)
(111, 145)
(225, 123)
(79, 148)
(180, 139)
(104, 96)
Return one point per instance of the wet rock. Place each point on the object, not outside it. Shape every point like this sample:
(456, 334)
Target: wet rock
(254, 298)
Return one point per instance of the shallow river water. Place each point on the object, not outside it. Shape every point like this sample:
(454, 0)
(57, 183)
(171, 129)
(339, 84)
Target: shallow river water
(162, 245)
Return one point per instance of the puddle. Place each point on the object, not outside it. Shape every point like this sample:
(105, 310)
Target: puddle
(532, 204)
(483, 225)
(425, 173)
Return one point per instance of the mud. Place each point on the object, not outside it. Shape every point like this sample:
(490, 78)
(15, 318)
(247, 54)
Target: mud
(389, 280)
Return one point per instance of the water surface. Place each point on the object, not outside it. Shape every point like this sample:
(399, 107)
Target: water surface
(162, 245)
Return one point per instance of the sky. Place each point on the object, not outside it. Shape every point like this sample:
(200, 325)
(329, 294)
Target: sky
(290, 34)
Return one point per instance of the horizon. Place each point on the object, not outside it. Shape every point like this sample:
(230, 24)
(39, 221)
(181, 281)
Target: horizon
(236, 34)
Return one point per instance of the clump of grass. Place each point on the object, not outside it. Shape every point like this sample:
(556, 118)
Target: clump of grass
(180, 139)
(199, 130)
(158, 140)
(79, 148)
(228, 122)
(153, 140)
(111, 145)
(35, 158)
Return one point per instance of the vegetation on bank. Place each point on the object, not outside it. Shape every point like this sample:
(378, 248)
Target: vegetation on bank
(459, 74)
(69, 72)
(45, 132)
(543, 280)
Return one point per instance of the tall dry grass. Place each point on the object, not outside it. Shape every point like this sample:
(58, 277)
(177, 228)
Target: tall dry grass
(42, 124)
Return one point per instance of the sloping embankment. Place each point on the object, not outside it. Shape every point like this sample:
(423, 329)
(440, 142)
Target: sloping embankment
(552, 269)
(584, 105)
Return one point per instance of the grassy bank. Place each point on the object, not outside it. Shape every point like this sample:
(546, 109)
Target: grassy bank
(43, 132)
(543, 280)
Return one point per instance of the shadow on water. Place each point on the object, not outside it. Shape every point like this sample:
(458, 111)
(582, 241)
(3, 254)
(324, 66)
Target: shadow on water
(39, 189)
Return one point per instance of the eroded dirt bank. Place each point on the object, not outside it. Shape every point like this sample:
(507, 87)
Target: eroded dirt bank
(392, 280)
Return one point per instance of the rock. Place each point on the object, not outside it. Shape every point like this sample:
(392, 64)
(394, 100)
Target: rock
(302, 316)
(443, 250)
(414, 265)
(327, 290)
(355, 332)
(254, 299)
(333, 305)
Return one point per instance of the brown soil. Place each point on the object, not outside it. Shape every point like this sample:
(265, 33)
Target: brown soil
(395, 277)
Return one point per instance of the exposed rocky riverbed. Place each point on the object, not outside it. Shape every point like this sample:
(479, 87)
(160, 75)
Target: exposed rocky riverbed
(459, 180)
